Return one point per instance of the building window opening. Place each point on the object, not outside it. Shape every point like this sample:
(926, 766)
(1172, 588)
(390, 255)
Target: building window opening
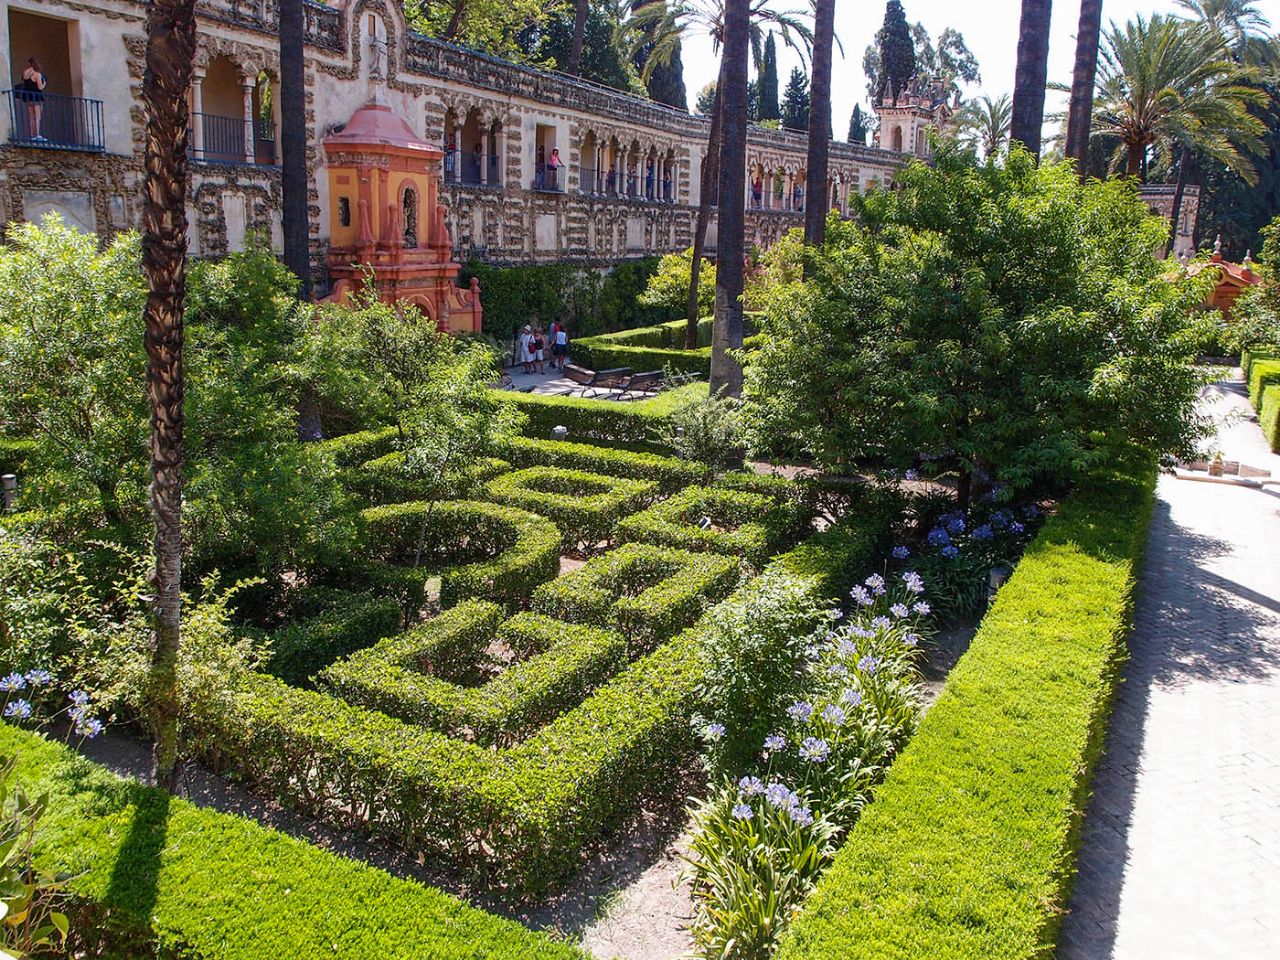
(411, 218)
(344, 211)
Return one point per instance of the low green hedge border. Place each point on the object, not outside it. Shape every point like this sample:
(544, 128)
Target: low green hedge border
(14, 453)
(1269, 416)
(752, 525)
(585, 506)
(646, 593)
(477, 549)
(670, 473)
(1262, 374)
(594, 354)
(602, 421)
(521, 816)
(155, 875)
(1247, 357)
(353, 449)
(418, 677)
(384, 479)
(336, 623)
(969, 847)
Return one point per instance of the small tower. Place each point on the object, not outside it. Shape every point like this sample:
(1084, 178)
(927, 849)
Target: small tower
(906, 119)
(385, 220)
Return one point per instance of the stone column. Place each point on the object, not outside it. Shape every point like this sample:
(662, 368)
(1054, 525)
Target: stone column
(197, 110)
(246, 87)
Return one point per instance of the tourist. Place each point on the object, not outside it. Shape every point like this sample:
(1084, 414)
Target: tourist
(648, 181)
(537, 349)
(666, 187)
(757, 192)
(560, 346)
(450, 160)
(31, 92)
(553, 169)
(526, 352)
(478, 160)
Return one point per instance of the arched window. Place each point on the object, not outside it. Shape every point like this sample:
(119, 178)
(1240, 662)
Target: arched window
(411, 218)
(897, 139)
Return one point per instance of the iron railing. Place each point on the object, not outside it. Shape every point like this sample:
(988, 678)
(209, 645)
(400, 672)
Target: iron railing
(55, 122)
(227, 139)
(549, 179)
(477, 169)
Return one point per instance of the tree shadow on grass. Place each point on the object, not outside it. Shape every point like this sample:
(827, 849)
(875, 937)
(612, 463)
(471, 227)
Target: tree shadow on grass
(135, 877)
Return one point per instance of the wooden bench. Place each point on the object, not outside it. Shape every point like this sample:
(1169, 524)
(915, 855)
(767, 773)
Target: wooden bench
(596, 380)
(643, 384)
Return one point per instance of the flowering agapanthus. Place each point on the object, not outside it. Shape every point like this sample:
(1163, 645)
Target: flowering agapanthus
(861, 596)
(901, 553)
(751, 786)
(833, 714)
(955, 525)
(713, 732)
(835, 613)
(900, 611)
(911, 640)
(78, 696)
(1001, 519)
(800, 712)
(1016, 527)
(14, 681)
(913, 581)
(803, 816)
(815, 749)
(778, 795)
(913, 474)
(18, 709)
(775, 742)
(950, 551)
(875, 583)
(983, 532)
(837, 670)
(89, 728)
(38, 677)
(79, 712)
(847, 648)
(922, 608)
(852, 698)
(869, 665)
(939, 537)
(881, 623)
(742, 811)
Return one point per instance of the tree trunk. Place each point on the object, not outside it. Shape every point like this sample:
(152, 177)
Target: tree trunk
(1080, 117)
(171, 45)
(579, 36)
(1133, 166)
(726, 371)
(455, 22)
(1185, 161)
(1032, 74)
(294, 181)
(710, 180)
(817, 205)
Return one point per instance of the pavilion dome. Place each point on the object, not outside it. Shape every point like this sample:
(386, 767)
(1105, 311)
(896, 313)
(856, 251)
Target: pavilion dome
(377, 128)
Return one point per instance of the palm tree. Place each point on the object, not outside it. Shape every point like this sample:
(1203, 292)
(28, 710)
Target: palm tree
(985, 124)
(579, 36)
(1080, 114)
(817, 203)
(661, 24)
(726, 371)
(171, 45)
(294, 181)
(1241, 24)
(1032, 74)
(1169, 86)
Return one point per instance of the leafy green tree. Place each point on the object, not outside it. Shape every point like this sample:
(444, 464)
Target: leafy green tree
(603, 58)
(949, 60)
(491, 26)
(706, 101)
(930, 336)
(669, 287)
(795, 101)
(768, 89)
(890, 62)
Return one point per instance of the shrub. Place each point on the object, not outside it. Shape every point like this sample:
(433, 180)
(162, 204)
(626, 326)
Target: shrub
(1269, 416)
(388, 480)
(596, 353)
(1262, 374)
(420, 677)
(14, 452)
(747, 525)
(353, 449)
(603, 421)
(647, 593)
(669, 286)
(336, 623)
(148, 873)
(968, 848)
(711, 431)
(669, 472)
(585, 506)
(476, 549)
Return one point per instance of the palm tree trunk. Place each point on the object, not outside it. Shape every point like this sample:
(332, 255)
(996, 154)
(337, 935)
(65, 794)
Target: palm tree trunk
(1080, 117)
(171, 45)
(293, 143)
(726, 371)
(1133, 165)
(710, 181)
(1033, 73)
(817, 204)
(1185, 162)
(579, 36)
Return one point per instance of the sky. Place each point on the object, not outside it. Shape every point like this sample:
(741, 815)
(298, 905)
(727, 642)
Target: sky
(989, 27)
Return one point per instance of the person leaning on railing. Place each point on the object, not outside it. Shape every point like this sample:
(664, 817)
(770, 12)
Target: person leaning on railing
(31, 92)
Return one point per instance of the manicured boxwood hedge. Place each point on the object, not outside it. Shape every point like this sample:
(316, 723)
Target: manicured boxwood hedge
(353, 449)
(646, 593)
(602, 421)
(968, 849)
(384, 480)
(520, 816)
(335, 623)
(585, 506)
(476, 549)
(595, 354)
(1269, 416)
(418, 677)
(14, 452)
(669, 472)
(155, 875)
(748, 525)
(1262, 374)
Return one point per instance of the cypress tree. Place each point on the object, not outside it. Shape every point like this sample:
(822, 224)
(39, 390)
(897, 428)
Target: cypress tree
(897, 52)
(768, 90)
(795, 102)
(858, 126)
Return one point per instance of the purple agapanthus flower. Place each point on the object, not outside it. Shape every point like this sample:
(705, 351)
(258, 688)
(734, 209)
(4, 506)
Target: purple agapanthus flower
(751, 786)
(951, 551)
(800, 712)
(742, 811)
(815, 749)
(913, 581)
(18, 709)
(901, 553)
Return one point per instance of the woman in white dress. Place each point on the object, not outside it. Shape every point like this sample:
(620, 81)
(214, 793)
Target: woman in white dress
(526, 348)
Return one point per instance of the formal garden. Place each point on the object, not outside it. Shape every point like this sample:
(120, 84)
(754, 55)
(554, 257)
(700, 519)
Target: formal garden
(448, 656)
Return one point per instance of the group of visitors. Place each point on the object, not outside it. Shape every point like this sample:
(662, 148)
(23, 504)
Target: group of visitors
(534, 347)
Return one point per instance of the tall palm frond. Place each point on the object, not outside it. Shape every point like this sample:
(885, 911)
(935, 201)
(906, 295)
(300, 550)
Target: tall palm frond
(1243, 27)
(985, 123)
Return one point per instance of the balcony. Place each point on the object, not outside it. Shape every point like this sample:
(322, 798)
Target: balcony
(596, 182)
(548, 179)
(55, 122)
(472, 169)
(218, 139)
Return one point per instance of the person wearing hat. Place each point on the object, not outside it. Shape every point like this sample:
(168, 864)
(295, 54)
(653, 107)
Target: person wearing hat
(526, 348)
